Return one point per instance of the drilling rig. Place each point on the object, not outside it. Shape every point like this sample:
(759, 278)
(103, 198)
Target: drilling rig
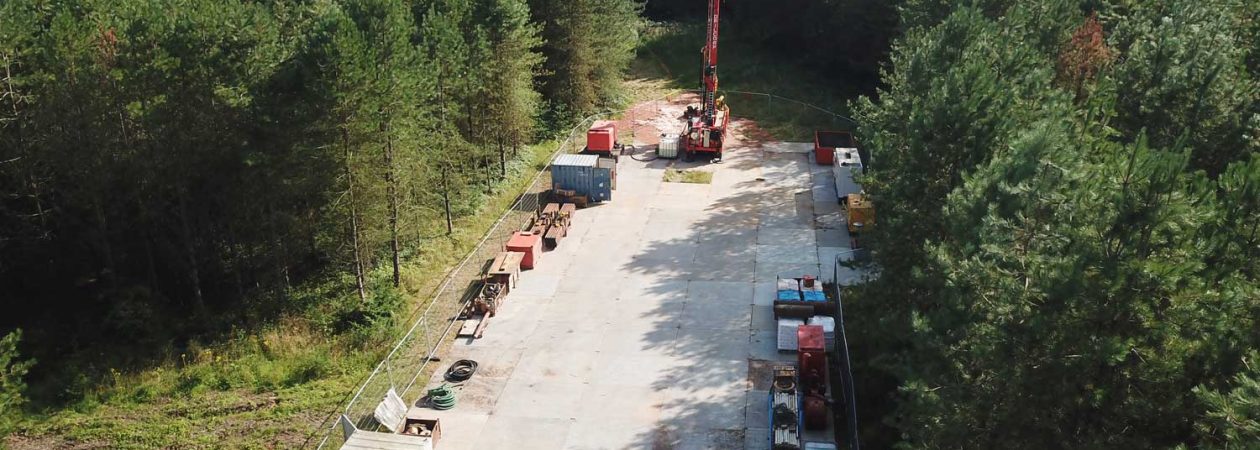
(705, 128)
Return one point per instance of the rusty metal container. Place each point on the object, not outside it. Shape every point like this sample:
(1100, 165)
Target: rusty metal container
(529, 244)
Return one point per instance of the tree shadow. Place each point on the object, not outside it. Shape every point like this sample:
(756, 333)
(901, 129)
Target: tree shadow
(706, 334)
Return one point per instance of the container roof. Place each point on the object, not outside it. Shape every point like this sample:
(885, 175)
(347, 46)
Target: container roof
(576, 160)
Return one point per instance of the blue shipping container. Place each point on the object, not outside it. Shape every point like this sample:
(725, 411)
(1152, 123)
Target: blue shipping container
(582, 173)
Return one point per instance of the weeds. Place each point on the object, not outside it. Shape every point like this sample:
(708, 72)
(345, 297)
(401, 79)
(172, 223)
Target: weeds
(688, 176)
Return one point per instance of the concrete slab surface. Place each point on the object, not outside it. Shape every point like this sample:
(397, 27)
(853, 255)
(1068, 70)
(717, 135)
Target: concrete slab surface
(652, 325)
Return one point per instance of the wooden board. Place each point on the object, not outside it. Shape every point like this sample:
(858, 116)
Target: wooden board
(471, 325)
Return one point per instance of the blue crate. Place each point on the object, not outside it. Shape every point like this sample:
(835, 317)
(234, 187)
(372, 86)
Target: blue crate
(815, 296)
(788, 295)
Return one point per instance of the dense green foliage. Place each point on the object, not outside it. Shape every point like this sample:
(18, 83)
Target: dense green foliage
(589, 44)
(846, 40)
(182, 172)
(1067, 253)
(12, 370)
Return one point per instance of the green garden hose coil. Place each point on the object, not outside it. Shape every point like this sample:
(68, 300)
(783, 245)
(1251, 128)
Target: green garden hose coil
(442, 397)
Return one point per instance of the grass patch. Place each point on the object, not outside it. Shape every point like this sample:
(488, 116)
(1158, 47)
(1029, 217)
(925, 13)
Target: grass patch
(688, 176)
(267, 388)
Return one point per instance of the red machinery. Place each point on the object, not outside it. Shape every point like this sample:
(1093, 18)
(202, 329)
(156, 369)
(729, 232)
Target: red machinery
(706, 127)
(812, 360)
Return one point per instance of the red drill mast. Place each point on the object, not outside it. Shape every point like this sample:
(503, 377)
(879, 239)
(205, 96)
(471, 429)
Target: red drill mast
(706, 128)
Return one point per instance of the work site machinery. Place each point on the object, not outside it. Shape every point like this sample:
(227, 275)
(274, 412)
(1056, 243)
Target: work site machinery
(705, 130)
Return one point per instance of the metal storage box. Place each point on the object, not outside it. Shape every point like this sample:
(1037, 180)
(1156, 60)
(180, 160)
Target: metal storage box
(583, 174)
(668, 147)
(848, 165)
(528, 243)
(826, 143)
(602, 136)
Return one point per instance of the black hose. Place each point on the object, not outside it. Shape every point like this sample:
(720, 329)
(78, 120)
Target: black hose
(461, 371)
(644, 159)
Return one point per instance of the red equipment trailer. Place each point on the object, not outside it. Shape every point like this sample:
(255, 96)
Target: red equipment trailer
(706, 127)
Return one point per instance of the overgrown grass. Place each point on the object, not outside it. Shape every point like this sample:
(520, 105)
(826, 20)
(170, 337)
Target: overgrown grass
(266, 388)
(688, 176)
(669, 53)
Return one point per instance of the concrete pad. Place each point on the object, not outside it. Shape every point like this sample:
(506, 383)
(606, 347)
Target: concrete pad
(709, 409)
(712, 439)
(765, 293)
(803, 221)
(523, 400)
(595, 434)
(679, 201)
(636, 404)
(586, 311)
(785, 236)
(691, 190)
(832, 221)
(642, 370)
(770, 271)
(832, 237)
(675, 252)
(740, 238)
(502, 334)
(728, 270)
(824, 194)
(522, 433)
(564, 336)
(632, 309)
(536, 285)
(656, 342)
(787, 254)
(724, 292)
(477, 395)
(716, 315)
(764, 346)
(757, 410)
(460, 430)
(492, 362)
(637, 331)
(652, 289)
(590, 280)
(757, 438)
(715, 252)
(763, 318)
(712, 343)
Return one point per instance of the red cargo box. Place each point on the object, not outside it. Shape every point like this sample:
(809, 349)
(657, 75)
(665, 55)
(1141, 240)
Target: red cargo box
(528, 243)
(810, 338)
(602, 136)
(826, 143)
(812, 358)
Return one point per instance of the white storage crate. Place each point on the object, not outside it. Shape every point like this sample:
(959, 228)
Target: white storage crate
(787, 333)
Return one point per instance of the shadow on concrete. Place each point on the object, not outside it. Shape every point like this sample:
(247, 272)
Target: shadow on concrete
(715, 329)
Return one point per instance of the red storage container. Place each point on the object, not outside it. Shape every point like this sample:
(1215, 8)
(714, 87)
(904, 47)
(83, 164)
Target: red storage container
(601, 136)
(812, 356)
(826, 143)
(530, 244)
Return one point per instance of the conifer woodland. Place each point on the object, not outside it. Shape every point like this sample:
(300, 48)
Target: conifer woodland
(213, 203)
(286, 176)
(1069, 197)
